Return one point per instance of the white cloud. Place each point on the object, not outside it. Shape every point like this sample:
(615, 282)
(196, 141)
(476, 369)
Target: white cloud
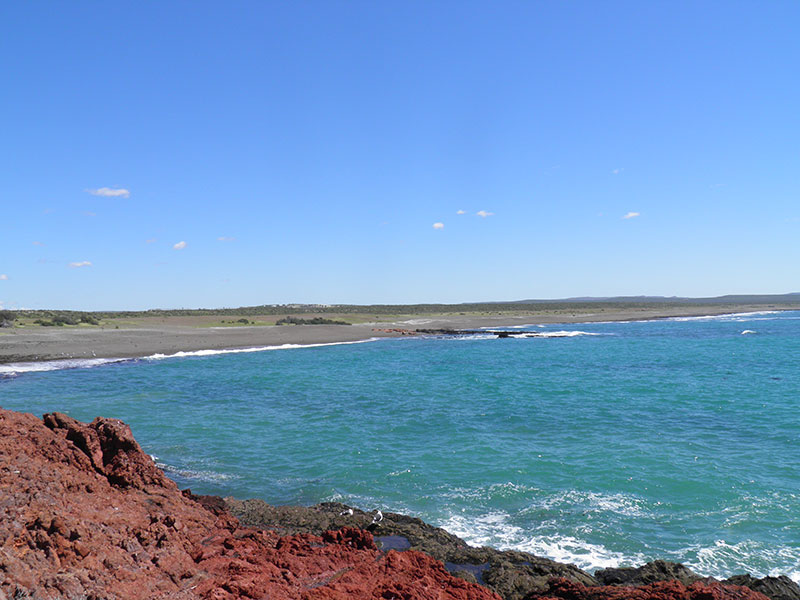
(438, 225)
(150, 241)
(78, 265)
(179, 246)
(110, 192)
(484, 214)
(461, 212)
(617, 171)
(631, 215)
(3, 277)
(38, 244)
(224, 238)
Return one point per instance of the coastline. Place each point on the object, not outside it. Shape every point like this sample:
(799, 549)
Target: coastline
(62, 477)
(169, 336)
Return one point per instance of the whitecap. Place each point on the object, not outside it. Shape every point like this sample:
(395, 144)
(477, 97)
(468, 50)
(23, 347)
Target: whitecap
(559, 334)
(621, 504)
(738, 317)
(748, 332)
(494, 530)
(724, 558)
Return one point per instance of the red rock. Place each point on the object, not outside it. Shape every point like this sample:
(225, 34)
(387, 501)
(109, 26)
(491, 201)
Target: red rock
(85, 512)
(563, 589)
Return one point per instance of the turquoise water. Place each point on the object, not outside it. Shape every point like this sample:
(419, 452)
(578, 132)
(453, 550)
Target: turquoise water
(675, 439)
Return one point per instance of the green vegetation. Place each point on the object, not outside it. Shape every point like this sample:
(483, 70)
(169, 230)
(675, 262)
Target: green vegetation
(7, 318)
(314, 321)
(61, 318)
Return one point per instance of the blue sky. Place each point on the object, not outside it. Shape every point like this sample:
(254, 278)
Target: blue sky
(191, 154)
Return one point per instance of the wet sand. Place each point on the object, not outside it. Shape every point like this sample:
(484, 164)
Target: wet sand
(150, 336)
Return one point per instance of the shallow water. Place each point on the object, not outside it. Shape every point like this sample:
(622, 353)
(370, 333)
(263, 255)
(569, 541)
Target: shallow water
(672, 439)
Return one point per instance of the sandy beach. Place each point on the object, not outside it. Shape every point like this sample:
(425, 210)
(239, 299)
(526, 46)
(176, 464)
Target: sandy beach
(150, 335)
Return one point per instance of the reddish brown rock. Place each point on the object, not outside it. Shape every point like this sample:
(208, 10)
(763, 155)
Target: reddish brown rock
(85, 513)
(563, 589)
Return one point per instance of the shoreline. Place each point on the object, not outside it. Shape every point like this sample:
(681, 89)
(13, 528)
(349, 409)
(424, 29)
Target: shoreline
(171, 336)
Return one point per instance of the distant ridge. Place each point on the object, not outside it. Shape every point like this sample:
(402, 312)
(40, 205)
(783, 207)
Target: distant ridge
(728, 299)
(791, 300)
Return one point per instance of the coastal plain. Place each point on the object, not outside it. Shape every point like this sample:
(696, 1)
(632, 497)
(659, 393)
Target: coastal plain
(142, 334)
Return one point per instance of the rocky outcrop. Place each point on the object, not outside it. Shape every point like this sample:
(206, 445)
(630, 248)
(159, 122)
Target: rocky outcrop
(563, 589)
(658, 570)
(84, 513)
(775, 588)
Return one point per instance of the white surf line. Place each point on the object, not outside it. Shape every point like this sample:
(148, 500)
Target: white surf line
(723, 315)
(57, 365)
(183, 354)
(13, 369)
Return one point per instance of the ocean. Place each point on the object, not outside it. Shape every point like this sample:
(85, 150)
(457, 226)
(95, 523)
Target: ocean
(599, 444)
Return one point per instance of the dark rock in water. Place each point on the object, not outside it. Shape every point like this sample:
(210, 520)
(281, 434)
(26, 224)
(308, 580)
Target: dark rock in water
(563, 589)
(776, 588)
(658, 570)
(509, 573)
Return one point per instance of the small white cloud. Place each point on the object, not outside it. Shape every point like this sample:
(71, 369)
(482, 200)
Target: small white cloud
(78, 265)
(631, 215)
(3, 277)
(438, 225)
(88, 213)
(484, 214)
(179, 246)
(150, 241)
(38, 244)
(224, 238)
(617, 171)
(110, 192)
(461, 212)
